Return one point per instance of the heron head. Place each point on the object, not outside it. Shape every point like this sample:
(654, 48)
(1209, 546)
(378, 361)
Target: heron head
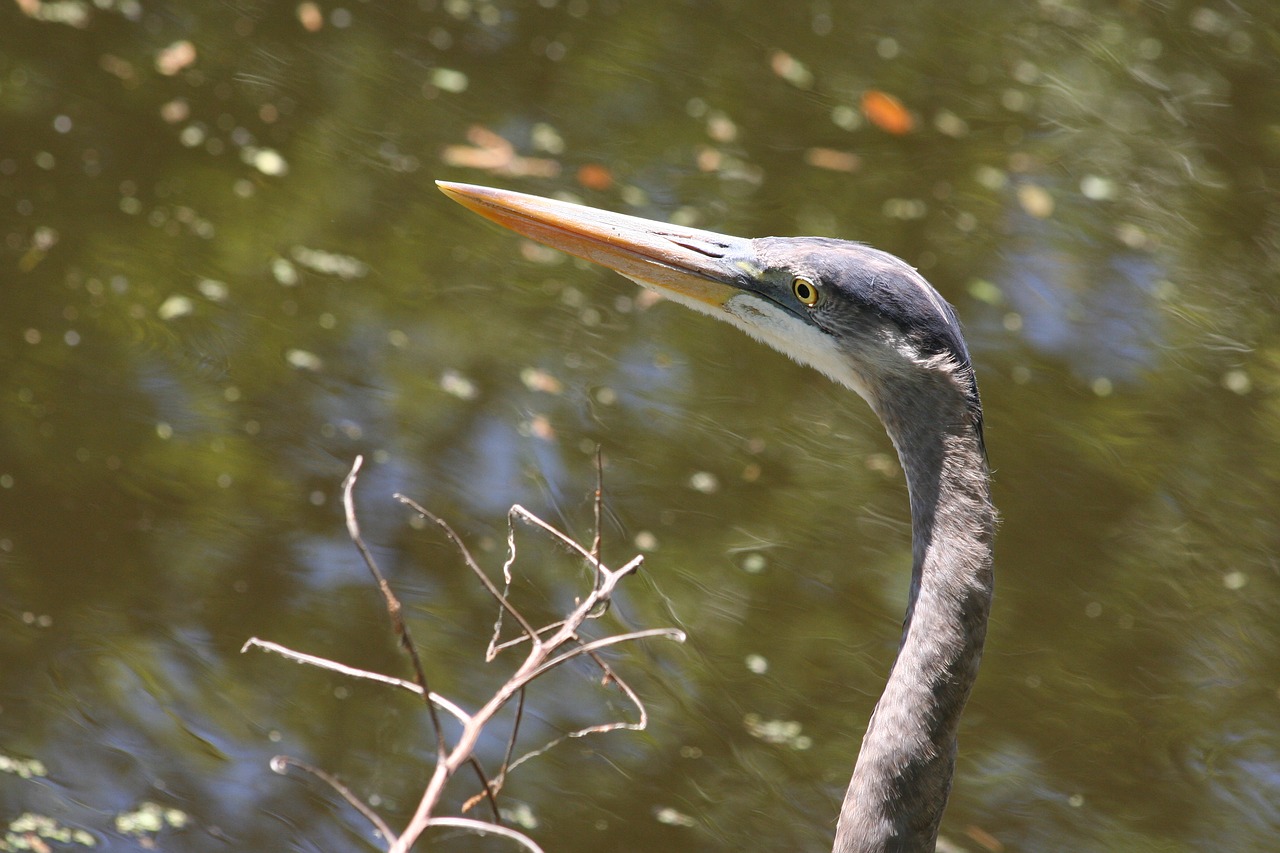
(861, 316)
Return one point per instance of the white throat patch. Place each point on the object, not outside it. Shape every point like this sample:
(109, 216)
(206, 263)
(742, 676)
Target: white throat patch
(769, 324)
(793, 337)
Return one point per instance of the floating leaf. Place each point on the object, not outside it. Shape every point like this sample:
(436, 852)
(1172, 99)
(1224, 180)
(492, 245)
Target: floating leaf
(175, 306)
(491, 152)
(310, 16)
(830, 158)
(985, 291)
(303, 360)
(1035, 200)
(887, 112)
(595, 176)
(791, 69)
(329, 263)
(449, 80)
(453, 382)
(539, 380)
(540, 427)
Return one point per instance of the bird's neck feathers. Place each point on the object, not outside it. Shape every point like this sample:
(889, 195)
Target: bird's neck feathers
(903, 774)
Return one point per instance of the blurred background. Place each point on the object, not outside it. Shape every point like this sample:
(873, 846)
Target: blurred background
(225, 271)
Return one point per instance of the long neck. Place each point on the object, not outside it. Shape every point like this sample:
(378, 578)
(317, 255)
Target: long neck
(903, 773)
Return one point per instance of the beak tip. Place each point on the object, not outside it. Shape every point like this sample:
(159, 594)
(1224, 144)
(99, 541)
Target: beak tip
(469, 196)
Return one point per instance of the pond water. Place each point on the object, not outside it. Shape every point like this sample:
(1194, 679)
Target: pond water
(225, 271)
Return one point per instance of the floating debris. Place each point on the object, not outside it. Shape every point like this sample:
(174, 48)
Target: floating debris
(536, 379)
(284, 272)
(150, 818)
(1237, 381)
(782, 732)
(520, 815)
(453, 382)
(595, 176)
(887, 112)
(991, 178)
(720, 127)
(1035, 200)
(547, 138)
(175, 111)
(705, 482)
(175, 306)
(268, 161)
(117, 67)
(330, 263)
(23, 768)
(213, 290)
(448, 80)
(310, 16)
(492, 153)
(671, 817)
(1097, 188)
(950, 124)
(986, 291)
(830, 158)
(73, 13)
(540, 427)
(304, 360)
(31, 828)
(791, 69)
(175, 58)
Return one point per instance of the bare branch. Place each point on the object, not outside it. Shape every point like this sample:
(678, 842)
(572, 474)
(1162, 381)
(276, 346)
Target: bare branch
(332, 665)
(281, 764)
(601, 728)
(529, 518)
(515, 641)
(597, 504)
(547, 648)
(494, 786)
(393, 603)
(515, 732)
(488, 789)
(603, 642)
(487, 829)
(536, 663)
(470, 561)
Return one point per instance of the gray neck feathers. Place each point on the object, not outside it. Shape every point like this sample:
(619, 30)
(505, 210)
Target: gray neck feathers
(903, 774)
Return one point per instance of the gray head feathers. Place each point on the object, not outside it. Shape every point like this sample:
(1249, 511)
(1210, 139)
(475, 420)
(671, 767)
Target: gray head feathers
(868, 292)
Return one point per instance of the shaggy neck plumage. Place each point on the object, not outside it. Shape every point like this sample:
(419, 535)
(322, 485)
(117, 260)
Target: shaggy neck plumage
(903, 773)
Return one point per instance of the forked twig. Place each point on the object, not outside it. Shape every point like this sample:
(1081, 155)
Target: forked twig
(471, 562)
(393, 603)
(547, 648)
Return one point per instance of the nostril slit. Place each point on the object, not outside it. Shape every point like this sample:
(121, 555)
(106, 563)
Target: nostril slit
(711, 250)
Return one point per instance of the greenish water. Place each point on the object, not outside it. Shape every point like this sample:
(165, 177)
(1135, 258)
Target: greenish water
(225, 271)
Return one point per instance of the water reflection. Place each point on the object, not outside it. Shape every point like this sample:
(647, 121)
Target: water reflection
(226, 273)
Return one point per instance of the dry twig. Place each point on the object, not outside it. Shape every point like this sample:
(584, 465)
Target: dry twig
(548, 647)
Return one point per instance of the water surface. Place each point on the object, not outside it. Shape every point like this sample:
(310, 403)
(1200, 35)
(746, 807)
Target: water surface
(225, 272)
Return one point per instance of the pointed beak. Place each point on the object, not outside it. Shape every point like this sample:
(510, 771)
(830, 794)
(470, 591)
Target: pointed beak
(687, 264)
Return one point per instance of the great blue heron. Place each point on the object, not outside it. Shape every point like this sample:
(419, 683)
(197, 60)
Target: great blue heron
(871, 323)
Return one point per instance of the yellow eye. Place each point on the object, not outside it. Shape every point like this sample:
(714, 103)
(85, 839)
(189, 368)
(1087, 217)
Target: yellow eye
(804, 290)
